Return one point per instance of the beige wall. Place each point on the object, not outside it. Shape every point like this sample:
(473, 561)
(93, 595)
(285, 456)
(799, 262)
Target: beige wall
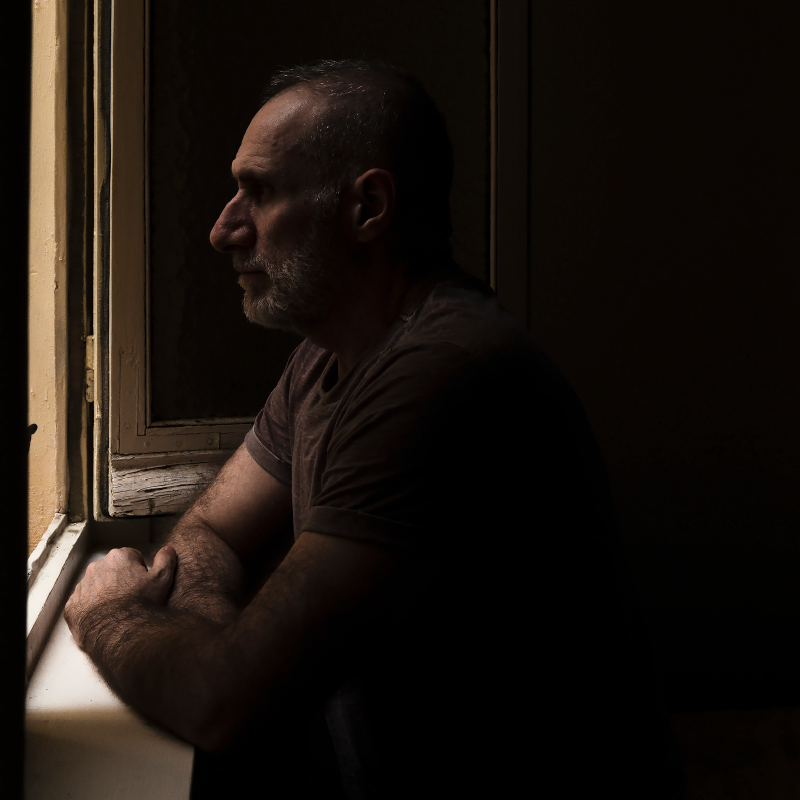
(47, 382)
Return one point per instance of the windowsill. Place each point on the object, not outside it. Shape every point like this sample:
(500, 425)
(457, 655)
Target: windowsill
(51, 568)
(81, 740)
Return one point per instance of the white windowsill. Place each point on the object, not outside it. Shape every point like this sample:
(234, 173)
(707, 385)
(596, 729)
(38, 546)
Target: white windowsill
(81, 741)
(51, 568)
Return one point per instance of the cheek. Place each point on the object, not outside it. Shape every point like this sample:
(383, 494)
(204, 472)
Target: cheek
(283, 228)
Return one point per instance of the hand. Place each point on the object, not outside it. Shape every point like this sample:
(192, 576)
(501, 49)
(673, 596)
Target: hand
(121, 574)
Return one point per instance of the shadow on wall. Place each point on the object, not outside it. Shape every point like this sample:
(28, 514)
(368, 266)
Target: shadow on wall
(741, 755)
(664, 283)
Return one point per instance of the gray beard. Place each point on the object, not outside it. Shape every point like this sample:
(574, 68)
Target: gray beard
(305, 285)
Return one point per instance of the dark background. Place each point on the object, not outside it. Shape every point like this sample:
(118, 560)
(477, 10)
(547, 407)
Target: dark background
(665, 283)
(663, 270)
(16, 61)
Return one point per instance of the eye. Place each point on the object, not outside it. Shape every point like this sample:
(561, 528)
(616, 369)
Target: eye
(255, 189)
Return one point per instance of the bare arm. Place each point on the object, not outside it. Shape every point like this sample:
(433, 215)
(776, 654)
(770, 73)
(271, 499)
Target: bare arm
(205, 680)
(233, 531)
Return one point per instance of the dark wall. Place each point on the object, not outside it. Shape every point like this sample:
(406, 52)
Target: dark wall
(664, 282)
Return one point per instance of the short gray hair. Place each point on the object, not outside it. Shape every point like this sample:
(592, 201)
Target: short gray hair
(378, 115)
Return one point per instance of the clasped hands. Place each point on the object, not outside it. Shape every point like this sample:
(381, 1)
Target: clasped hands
(119, 575)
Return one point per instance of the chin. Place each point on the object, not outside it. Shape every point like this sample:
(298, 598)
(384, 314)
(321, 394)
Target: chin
(256, 313)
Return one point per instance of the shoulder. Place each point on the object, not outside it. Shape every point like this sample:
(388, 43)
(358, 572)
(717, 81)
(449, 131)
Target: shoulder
(464, 311)
(461, 357)
(460, 329)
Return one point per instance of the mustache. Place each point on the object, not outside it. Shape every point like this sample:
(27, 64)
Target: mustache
(248, 262)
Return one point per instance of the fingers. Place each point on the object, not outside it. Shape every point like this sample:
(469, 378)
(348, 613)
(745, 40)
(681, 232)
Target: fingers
(118, 556)
(164, 564)
(162, 574)
(132, 554)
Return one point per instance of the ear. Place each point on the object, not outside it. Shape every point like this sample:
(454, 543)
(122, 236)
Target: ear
(372, 210)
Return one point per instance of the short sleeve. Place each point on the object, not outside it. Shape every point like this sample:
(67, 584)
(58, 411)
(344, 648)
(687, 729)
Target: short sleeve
(269, 440)
(259, 443)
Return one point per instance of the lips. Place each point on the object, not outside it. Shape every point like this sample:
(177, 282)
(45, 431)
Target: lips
(248, 266)
(256, 278)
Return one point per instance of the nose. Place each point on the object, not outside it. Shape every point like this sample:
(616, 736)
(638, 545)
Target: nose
(234, 230)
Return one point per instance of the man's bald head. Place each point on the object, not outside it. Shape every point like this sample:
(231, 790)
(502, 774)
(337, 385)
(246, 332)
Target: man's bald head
(372, 114)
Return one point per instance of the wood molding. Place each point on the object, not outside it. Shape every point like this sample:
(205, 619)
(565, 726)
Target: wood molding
(155, 484)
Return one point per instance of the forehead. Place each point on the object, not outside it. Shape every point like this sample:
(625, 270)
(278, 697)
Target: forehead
(270, 140)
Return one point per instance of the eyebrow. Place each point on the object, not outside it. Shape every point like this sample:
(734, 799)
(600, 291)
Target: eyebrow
(250, 174)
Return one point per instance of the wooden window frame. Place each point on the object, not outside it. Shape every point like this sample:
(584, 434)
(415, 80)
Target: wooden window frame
(141, 467)
(144, 467)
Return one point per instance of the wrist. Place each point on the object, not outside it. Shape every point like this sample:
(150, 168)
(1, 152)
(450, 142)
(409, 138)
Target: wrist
(101, 629)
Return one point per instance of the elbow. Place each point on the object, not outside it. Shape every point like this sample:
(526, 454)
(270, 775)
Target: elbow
(230, 724)
(212, 732)
(210, 740)
(218, 725)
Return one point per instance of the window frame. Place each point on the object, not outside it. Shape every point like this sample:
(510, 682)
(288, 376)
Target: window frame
(143, 467)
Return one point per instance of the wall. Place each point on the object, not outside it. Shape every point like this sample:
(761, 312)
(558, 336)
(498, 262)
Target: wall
(47, 472)
(664, 283)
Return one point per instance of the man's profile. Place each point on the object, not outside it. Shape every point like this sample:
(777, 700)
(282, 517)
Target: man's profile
(452, 598)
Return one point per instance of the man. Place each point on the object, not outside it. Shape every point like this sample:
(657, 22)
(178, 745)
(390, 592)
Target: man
(452, 598)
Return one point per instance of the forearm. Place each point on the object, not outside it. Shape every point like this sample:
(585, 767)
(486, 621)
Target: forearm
(157, 660)
(210, 579)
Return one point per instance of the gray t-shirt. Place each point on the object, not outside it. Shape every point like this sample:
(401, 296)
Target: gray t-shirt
(455, 437)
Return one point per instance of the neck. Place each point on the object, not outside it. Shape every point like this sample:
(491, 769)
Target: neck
(367, 312)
